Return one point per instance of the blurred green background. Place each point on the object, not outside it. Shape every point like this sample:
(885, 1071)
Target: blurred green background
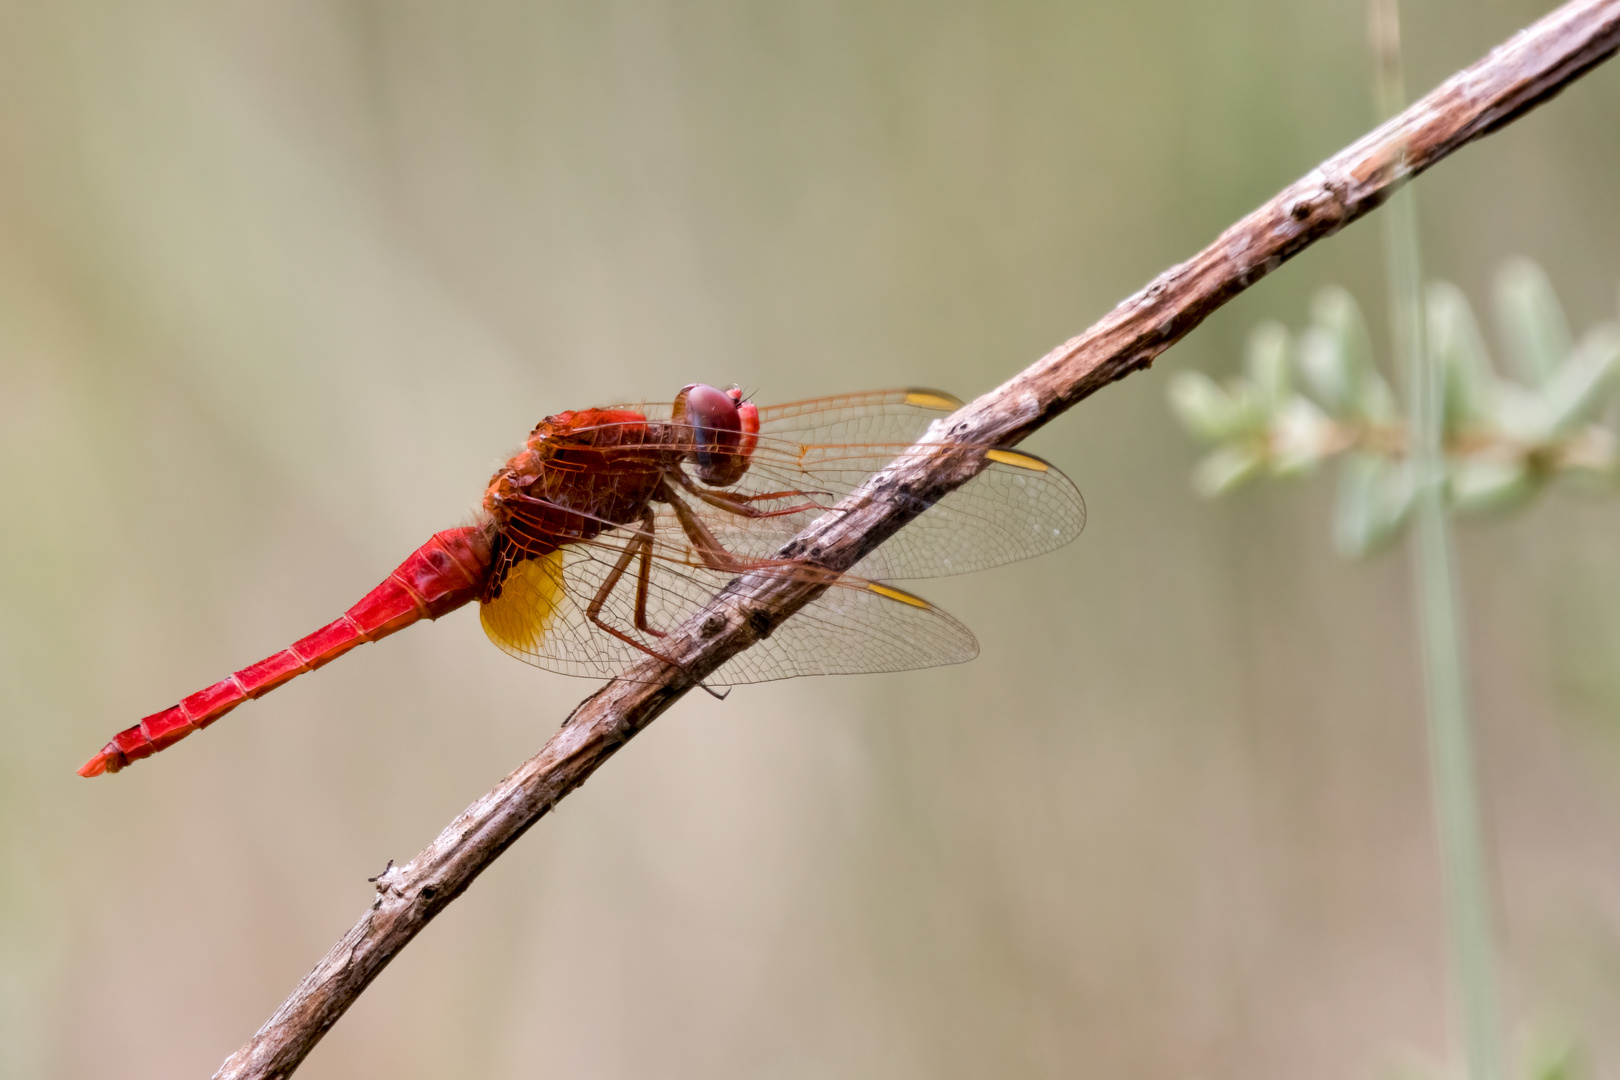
(281, 283)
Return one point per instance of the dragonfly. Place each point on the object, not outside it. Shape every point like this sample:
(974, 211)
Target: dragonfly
(613, 525)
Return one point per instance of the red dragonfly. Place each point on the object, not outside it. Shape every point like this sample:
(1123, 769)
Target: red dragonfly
(613, 525)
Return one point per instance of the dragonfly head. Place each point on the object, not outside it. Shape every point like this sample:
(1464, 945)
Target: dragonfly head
(724, 430)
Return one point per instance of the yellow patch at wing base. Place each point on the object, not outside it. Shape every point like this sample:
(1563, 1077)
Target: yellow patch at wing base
(517, 620)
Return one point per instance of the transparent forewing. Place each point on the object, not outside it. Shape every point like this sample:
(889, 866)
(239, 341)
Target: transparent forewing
(1018, 507)
(853, 628)
(881, 416)
(856, 626)
(877, 416)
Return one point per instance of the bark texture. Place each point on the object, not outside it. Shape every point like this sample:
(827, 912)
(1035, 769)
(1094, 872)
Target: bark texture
(1514, 78)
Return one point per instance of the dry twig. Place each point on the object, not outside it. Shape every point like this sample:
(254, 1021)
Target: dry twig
(1517, 76)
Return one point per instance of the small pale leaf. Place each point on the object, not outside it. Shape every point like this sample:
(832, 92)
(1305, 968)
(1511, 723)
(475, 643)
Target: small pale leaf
(1375, 495)
(1338, 361)
(1322, 361)
(1456, 344)
(1522, 415)
(1267, 366)
(1375, 401)
(1203, 407)
(1531, 321)
(1302, 436)
(1226, 468)
(1476, 485)
(1579, 388)
(1334, 349)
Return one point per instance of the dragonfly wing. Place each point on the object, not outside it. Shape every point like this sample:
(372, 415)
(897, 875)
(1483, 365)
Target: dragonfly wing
(1018, 507)
(879, 416)
(856, 626)
(540, 619)
(541, 615)
(528, 609)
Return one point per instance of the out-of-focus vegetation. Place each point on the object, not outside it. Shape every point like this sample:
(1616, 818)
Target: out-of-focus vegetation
(1472, 441)
(1303, 401)
(1544, 1056)
(280, 283)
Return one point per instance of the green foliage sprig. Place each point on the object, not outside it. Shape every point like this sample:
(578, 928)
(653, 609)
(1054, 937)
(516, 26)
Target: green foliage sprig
(1303, 400)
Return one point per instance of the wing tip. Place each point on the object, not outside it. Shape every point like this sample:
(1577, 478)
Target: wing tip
(892, 593)
(1019, 460)
(926, 397)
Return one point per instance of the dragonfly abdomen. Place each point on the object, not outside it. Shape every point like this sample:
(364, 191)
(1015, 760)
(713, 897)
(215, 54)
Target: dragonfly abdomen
(438, 577)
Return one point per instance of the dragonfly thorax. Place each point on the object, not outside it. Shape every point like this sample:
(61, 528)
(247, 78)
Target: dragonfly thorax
(579, 473)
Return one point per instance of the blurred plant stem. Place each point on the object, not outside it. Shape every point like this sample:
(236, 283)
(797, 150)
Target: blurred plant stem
(1456, 796)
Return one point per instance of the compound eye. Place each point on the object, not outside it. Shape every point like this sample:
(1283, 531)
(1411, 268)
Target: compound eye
(713, 416)
(722, 436)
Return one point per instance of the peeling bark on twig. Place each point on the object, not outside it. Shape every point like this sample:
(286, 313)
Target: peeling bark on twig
(1517, 76)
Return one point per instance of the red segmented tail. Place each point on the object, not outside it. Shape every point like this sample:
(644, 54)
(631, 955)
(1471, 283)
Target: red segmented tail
(440, 576)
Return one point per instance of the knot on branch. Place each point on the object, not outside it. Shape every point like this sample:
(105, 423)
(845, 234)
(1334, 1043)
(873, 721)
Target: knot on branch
(389, 882)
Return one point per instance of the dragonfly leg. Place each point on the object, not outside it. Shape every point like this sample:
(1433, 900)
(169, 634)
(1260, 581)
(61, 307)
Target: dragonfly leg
(643, 587)
(709, 550)
(644, 573)
(594, 610)
(739, 504)
(594, 614)
(640, 544)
